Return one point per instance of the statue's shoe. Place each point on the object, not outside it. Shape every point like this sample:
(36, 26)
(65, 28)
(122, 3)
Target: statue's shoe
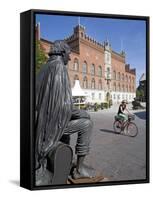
(83, 172)
(83, 179)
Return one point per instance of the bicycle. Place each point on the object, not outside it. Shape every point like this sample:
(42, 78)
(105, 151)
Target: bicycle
(128, 127)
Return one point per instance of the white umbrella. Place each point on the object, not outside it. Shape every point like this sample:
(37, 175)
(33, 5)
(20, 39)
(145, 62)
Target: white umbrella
(77, 91)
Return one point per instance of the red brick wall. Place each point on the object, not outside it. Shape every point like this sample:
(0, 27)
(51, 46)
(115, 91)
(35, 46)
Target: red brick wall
(92, 52)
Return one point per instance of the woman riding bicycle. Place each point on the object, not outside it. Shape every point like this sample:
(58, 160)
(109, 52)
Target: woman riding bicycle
(123, 122)
(121, 111)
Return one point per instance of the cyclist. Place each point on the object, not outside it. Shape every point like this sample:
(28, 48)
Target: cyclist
(121, 111)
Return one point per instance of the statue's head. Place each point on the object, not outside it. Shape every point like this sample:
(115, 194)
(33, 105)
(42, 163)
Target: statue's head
(60, 47)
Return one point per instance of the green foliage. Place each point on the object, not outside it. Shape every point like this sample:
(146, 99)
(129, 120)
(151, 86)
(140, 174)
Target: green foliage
(105, 105)
(41, 58)
(96, 107)
(82, 106)
(139, 93)
(110, 103)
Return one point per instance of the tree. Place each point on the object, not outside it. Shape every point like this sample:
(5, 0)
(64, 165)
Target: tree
(41, 58)
(139, 93)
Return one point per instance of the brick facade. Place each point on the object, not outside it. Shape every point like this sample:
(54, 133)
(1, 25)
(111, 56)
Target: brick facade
(102, 72)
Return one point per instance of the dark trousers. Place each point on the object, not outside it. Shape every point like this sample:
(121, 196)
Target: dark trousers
(82, 125)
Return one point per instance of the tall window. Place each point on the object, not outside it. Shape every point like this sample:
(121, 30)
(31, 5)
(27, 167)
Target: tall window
(114, 75)
(127, 88)
(93, 96)
(129, 79)
(93, 83)
(84, 68)
(100, 85)
(114, 86)
(100, 71)
(99, 96)
(119, 76)
(76, 65)
(122, 77)
(85, 82)
(92, 69)
(126, 78)
(76, 77)
(119, 87)
(108, 73)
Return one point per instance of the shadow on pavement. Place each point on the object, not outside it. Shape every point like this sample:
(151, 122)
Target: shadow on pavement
(15, 182)
(141, 115)
(107, 131)
(111, 131)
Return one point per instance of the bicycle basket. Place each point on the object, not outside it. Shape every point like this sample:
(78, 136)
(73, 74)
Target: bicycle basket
(131, 117)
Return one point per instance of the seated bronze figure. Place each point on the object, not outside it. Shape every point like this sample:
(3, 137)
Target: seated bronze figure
(57, 118)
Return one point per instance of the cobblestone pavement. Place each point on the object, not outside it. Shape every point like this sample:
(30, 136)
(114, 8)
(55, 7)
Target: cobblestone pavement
(117, 157)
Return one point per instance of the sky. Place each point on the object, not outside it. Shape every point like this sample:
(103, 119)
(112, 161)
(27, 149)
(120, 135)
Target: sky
(123, 34)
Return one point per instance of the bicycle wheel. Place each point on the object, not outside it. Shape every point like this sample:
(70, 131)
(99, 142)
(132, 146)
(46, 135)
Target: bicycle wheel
(132, 129)
(117, 126)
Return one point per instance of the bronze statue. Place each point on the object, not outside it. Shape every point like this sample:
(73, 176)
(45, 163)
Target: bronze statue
(56, 117)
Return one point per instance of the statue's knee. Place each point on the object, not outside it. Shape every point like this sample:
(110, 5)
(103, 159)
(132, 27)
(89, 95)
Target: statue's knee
(89, 123)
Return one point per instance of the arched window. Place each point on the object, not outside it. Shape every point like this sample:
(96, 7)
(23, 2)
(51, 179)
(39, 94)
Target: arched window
(84, 68)
(93, 84)
(119, 76)
(92, 69)
(100, 71)
(129, 79)
(127, 88)
(126, 78)
(85, 82)
(76, 77)
(114, 86)
(93, 96)
(76, 65)
(119, 87)
(122, 77)
(100, 85)
(114, 75)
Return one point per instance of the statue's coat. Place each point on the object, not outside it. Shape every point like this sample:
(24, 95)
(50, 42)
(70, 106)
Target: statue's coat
(53, 105)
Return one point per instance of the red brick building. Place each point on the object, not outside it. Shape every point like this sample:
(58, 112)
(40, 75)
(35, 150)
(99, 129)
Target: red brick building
(102, 72)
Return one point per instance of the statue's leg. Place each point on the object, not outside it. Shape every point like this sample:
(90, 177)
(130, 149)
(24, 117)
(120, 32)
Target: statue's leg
(83, 127)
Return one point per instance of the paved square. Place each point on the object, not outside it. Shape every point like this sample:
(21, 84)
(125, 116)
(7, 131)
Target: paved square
(116, 156)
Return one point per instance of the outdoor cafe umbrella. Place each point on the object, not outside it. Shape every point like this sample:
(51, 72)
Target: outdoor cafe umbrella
(77, 91)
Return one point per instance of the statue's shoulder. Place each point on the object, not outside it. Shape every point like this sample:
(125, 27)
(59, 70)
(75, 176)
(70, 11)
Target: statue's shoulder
(55, 64)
